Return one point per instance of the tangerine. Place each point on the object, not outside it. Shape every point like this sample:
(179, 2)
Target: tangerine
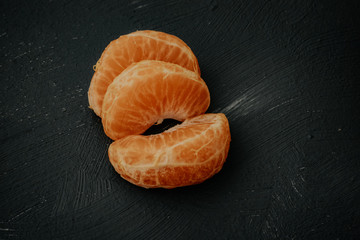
(148, 92)
(186, 154)
(134, 47)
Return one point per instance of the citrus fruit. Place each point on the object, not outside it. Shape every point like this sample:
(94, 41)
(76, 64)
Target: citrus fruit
(186, 154)
(134, 47)
(148, 92)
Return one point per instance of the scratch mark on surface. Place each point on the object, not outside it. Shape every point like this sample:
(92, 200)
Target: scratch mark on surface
(60, 203)
(6, 229)
(281, 104)
(101, 163)
(20, 214)
(302, 178)
(241, 106)
(20, 55)
(141, 6)
(233, 106)
(294, 187)
(80, 189)
(254, 17)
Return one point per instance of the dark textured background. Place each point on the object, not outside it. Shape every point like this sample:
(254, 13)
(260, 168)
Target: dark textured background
(286, 74)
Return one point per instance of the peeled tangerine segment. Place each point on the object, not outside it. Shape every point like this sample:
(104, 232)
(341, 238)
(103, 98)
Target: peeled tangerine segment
(135, 47)
(149, 91)
(186, 154)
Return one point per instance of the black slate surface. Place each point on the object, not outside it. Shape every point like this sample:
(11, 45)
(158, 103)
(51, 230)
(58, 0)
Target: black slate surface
(286, 74)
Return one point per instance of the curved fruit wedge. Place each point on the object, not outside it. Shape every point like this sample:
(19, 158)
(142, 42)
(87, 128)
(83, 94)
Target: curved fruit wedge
(148, 92)
(186, 154)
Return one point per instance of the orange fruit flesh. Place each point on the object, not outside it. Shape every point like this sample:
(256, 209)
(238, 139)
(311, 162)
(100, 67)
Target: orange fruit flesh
(135, 47)
(149, 91)
(186, 154)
